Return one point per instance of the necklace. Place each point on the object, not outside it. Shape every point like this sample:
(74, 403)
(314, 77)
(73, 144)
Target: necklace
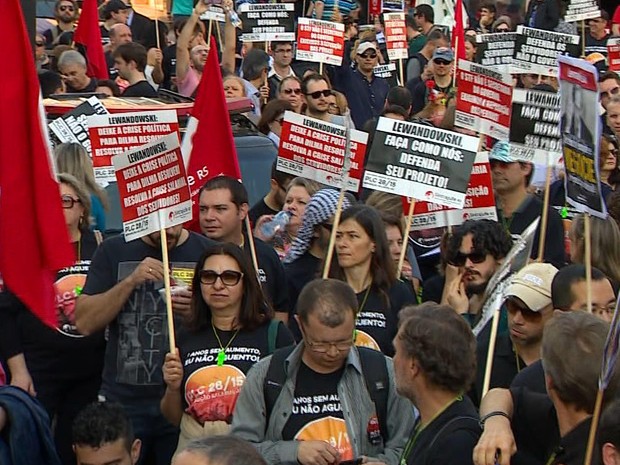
(221, 354)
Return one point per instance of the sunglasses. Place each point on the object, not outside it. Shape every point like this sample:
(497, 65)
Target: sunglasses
(440, 61)
(292, 91)
(609, 93)
(66, 8)
(68, 201)
(513, 306)
(317, 95)
(368, 55)
(40, 44)
(460, 258)
(228, 277)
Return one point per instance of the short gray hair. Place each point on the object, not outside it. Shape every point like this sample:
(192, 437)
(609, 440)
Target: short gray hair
(225, 450)
(71, 57)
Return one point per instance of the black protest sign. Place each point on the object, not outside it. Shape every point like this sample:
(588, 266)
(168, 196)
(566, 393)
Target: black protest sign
(73, 126)
(537, 51)
(580, 127)
(419, 161)
(268, 22)
(534, 129)
(495, 49)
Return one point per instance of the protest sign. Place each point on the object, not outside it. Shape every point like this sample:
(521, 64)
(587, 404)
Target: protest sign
(613, 53)
(479, 201)
(395, 35)
(534, 129)
(151, 179)
(536, 51)
(385, 71)
(580, 10)
(315, 149)
(392, 5)
(72, 126)
(114, 134)
(495, 50)
(214, 13)
(374, 8)
(420, 161)
(483, 100)
(320, 41)
(580, 128)
(267, 22)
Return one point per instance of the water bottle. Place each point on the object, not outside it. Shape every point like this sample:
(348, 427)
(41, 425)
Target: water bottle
(278, 223)
(234, 18)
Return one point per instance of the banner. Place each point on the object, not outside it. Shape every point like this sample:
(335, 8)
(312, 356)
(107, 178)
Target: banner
(320, 41)
(580, 127)
(483, 100)
(537, 51)
(613, 54)
(580, 10)
(267, 22)
(495, 50)
(152, 178)
(534, 126)
(395, 35)
(114, 134)
(479, 202)
(315, 149)
(73, 127)
(419, 161)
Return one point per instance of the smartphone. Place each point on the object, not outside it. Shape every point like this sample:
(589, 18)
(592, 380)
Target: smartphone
(352, 462)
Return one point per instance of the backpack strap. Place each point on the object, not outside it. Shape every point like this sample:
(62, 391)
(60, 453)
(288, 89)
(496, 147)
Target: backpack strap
(98, 236)
(374, 369)
(463, 422)
(275, 379)
(272, 335)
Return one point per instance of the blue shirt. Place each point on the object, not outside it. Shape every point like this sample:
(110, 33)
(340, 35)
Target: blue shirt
(366, 98)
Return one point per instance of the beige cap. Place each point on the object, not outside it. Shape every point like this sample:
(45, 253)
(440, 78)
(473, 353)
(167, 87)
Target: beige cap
(533, 285)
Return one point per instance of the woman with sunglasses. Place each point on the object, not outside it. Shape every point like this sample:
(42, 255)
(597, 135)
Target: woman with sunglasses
(289, 90)
(363, 260)
(230, 329)
(57, 364)
(271, 118)
(610, 174)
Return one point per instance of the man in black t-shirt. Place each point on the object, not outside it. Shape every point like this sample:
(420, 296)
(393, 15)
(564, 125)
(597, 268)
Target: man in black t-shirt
(130, 61)
(65, 13)
(273, 202)
(433, 364)
(223, 207)
(72, 67)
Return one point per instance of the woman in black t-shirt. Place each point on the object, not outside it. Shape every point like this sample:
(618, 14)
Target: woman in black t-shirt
(363, 260)
(230, 329)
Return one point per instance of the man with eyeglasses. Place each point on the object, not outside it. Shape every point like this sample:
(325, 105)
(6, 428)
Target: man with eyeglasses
(596, 39)
(528, 306)
(282, 54)
(65, 14)
(322, 412)
(122, 294)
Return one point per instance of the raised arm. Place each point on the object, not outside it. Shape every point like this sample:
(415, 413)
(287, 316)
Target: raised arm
(184, 39)
(230, 39)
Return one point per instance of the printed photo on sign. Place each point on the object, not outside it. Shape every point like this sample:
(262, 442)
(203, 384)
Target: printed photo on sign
(114, 134)
(316, 150)
(537, 51)
(580, 128)
(420, 161)
(267, 22)
(534, 126)
(483, 100)
(320, 41)
(151, 179)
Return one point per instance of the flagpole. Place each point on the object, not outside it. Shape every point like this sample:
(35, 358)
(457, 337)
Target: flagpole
(403, 250)
(402, 72)
(332, 236)
(583, 38)
(219, 34)
(164, 254)
(545, 214)
(248, 228)
(157, 33)
(490, 354)
(588, 259)
(594, 426)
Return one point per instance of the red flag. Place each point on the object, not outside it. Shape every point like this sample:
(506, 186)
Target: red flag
(208, 146)
(34, 241)
(458, 32)
(88, 35)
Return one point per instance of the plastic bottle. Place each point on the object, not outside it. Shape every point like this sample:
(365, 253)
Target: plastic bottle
(278, 223)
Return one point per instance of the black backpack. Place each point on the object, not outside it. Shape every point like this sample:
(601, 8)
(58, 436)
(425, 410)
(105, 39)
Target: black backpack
(374, 369)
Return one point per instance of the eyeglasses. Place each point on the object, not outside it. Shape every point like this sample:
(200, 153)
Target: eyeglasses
(323, 347)
(366, 56)
(513, 306)
(317, 95)
(460, 258)
(68, 201)
(228, 277)
(610, 92)
(66, 8)
(440, 61)
(292, 91)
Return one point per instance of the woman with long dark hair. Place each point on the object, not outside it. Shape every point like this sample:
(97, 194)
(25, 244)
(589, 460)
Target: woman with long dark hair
(363, 260)
(230, 328)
